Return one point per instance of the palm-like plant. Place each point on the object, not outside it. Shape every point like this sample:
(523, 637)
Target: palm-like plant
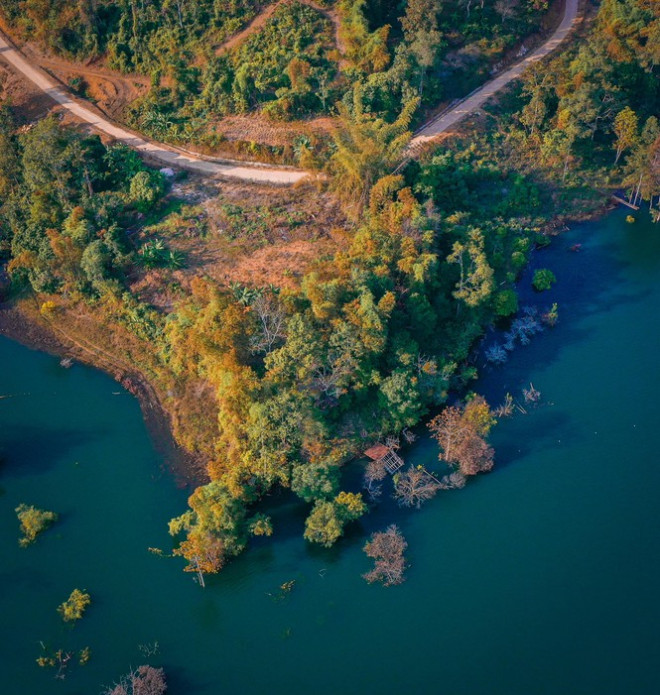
(367, 147)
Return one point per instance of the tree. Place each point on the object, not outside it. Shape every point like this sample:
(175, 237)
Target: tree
(625, 129)
(261, 525)
(506, 302)
(642, 170)
(311, 481)
(475, 282)
(414, 487)
(387, 549)
(326, 522)
(146, 188)
(144, 680)
(33, 522)
(323, 526)
(96, 262)
(543, 279)
(75, 606)
(420, 30)
(460, 433)
(537, 87)
(270, 321)
(367, 147)
(215, 527)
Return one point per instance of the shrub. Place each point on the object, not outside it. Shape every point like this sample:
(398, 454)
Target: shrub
(74, 607)
(146, 188)
(33, 522)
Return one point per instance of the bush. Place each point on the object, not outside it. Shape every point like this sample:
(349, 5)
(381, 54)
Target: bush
(543, 279)
(33, 522)
(146, 188)
(74, 607)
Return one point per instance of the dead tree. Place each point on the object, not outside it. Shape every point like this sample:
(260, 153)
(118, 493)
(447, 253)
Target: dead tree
(271, 323)
(386, 548)
(414, 487)
(453, 481)
(374, 472)
(145, 680)
(531, 395)
(460, 433)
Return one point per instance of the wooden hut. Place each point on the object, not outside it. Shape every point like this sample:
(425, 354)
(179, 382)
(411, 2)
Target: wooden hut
(386, 456)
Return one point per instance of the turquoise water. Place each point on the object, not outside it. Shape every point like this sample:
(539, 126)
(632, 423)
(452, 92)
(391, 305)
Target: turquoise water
(540, 577)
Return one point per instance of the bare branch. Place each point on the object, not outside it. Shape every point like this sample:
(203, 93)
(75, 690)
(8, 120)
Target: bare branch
(414, 487)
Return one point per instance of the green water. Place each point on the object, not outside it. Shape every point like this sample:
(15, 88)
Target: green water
(541, 577)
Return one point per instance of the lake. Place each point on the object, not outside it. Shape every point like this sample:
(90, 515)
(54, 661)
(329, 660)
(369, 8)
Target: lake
(540, 577)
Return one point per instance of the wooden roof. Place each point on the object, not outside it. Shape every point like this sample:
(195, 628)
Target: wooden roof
(376, 452)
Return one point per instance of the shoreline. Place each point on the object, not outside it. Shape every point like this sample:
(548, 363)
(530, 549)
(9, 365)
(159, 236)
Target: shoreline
(187, 468)
(184, 466)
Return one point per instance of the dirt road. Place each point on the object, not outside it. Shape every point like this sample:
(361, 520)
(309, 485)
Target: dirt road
(171, 156)
(443, 122)
(166, 155)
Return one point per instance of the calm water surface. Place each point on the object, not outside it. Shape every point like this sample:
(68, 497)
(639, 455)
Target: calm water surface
(541, 577)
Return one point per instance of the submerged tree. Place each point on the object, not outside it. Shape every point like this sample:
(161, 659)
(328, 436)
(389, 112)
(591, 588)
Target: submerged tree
(33, 522)
(461, 432)
(215, 526)
(75, 606)
(144, 680)
(414, 487)
(326, 522)
(387, 549)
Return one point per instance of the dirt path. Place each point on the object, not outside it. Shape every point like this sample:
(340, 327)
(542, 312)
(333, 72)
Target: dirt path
(168, 156)
(257, 23)
(445, 121)
(260, 20)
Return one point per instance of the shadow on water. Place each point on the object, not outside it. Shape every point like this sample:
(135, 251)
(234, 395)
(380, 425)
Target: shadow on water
(34, 580)
(588, 284)
(30, 450)
(178, 681)
(543, 429)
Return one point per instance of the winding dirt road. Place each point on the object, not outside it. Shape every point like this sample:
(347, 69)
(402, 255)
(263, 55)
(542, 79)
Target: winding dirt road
(442, 123)
(168, 156)
(173, 157)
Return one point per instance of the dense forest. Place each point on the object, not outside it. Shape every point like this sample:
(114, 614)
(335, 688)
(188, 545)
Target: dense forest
(377, 335)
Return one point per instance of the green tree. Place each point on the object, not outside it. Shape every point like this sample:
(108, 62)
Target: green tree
(145, 189)
(366, 148)
(420, 30)
(506, 302)
(261, 525)
(325, 523)
(475, 283)
(626, 131)
(312, 481)
(543, 279)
